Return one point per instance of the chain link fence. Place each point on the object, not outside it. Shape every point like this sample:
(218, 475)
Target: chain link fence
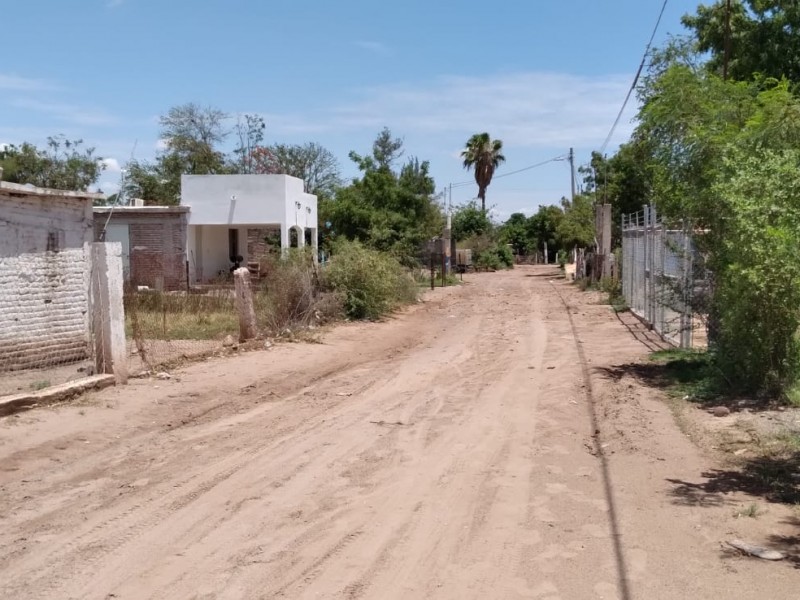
(658, 275)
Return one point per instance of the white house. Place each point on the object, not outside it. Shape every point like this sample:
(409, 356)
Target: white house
(227, 213)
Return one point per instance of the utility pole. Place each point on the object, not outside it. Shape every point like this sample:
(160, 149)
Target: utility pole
(450, 201)
(727, 57)
(572, 171)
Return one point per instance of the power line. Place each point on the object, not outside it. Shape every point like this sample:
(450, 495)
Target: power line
(528, 168)
(635, 79)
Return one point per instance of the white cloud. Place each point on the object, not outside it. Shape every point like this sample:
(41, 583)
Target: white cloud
(112, 165)
(67, 112)
(15, 83)
(372, 46)
(536, 109)
(161, 144)
(108, 187)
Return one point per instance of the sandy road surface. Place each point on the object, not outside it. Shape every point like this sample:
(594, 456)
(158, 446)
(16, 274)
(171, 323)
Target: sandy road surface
(481, 445)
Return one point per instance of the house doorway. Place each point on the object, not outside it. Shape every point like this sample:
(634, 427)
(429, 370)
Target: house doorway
(294, 238)
(233, 248)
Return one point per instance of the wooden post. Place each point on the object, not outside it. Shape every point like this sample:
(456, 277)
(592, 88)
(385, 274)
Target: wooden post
(433, 271)
(244, 305)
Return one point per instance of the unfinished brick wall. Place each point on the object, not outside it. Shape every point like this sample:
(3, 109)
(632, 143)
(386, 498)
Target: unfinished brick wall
(44, 279)
(257, 247)
(157, 246)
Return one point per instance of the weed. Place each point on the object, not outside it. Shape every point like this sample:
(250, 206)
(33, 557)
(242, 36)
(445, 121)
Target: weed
(40, 385)
(689, 373)
(751, 511)
(180, 316)
(793, 395)
(295, 297)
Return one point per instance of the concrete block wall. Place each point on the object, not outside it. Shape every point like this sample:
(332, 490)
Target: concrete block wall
(44, 279)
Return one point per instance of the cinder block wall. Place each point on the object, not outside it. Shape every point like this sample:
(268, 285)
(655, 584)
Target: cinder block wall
(44, 279)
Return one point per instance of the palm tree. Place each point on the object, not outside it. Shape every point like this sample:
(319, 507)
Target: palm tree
(485, 155)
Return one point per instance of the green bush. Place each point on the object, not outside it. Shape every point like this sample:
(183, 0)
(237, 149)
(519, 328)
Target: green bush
(757, 272)
(488, 260)
(561, 258)
(294, 295)
(371, 283)
(495, 257)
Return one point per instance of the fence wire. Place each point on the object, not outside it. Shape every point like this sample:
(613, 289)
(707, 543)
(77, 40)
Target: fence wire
(165, 328)
(657, 275)
(44, 311)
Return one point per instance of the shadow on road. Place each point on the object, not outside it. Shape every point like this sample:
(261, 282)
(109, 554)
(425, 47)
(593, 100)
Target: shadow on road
(775, 479)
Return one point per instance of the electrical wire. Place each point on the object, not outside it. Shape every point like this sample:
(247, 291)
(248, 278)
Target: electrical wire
(528, 168)
(635, 79)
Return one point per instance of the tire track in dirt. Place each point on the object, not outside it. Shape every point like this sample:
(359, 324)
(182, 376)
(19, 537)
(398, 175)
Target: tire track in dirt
(321, 495)
(125, 526)
(177, 505)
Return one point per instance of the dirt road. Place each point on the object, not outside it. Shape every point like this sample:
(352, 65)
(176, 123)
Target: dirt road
(484, 444)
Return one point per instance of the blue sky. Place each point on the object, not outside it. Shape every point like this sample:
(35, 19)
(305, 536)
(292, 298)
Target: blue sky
(540, 75)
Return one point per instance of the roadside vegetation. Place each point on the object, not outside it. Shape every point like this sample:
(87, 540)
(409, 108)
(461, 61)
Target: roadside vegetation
(716, 149)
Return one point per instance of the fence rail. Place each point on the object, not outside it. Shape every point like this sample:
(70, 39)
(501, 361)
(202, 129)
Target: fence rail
(657, 275)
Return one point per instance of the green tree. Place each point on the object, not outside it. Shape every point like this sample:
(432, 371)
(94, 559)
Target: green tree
(483, 155)
(723, 159)
(386, 210)
(250, 133)
(543, 229)
(191, 135)
(576, 227)
(514, 231)
(469, 220)
(386, 150)
(63, 164)
(764, 37)
(759, 283)
(623, 180)
(311, 162)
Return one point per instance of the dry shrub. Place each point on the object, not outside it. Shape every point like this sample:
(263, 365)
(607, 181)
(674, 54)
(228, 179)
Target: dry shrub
(294, 297)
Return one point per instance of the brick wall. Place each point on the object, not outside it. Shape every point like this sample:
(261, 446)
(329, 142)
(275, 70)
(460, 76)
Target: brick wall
(257, 247)
(157, 245)
(44, 279)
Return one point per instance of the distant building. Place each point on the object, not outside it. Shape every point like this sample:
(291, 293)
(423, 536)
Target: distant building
(224, 221)
(153, 242)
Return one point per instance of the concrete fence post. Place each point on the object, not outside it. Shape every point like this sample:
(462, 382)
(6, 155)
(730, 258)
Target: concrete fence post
(108, 312)
(244, 305)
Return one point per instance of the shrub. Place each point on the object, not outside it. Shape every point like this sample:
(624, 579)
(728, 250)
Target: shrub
(757, 274)
(494, 257)
(561, 258)
(294, 295)
(371, 283)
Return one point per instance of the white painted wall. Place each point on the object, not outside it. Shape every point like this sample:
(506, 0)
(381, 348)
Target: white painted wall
(220, 202)
(44, 296)
(247, 200)
(213, 250)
